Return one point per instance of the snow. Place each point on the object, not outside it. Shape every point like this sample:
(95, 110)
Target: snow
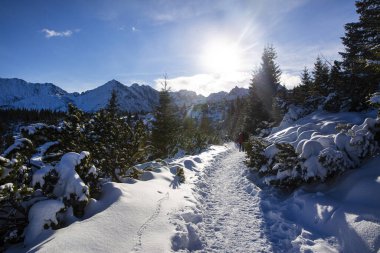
(7, 186)
(41, 213)
(38, 175)
(133, 216)
(18, 144)
(222, 207)
(69, 181)
(375, 99)
(325, 143)
(36, 159)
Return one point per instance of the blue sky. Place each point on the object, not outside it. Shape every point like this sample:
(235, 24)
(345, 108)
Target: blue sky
(205, 46)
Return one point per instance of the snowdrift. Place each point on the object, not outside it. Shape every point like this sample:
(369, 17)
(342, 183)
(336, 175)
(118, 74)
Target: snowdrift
(342, 214)
(134, 216)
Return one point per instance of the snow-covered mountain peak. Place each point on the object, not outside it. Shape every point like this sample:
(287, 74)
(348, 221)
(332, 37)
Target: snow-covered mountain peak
(113, 84)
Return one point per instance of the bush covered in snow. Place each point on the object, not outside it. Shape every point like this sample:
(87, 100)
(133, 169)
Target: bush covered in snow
(46, 179)
(33, 191)
(312, 152)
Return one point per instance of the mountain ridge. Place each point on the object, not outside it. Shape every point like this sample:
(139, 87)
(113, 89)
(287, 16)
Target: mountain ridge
(18, 93)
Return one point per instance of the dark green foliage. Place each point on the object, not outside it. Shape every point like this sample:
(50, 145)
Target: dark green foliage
(51, 179)
(166, 126)
(262, 92)
(181, 175)
(73, 136)
(15, 178)
(361, 58)
(286, 161)
(90, 176)
(255, 152)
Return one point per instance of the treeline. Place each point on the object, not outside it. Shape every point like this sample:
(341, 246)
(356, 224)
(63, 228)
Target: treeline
(9, 118)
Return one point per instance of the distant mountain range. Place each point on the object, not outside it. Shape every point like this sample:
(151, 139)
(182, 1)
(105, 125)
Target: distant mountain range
(17, 93)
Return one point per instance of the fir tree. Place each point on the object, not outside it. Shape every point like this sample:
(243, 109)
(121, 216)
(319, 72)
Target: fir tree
(165, 127)
(263, 89)
(362, 54)
(320, 78)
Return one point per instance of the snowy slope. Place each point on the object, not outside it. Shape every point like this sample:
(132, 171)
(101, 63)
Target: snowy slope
(185, 97)
(19, 94)
(226, 96)
(135, 216)
(134, 98)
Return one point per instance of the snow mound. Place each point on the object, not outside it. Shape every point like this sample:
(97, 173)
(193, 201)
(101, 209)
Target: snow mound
(42, 215)
(317, 146)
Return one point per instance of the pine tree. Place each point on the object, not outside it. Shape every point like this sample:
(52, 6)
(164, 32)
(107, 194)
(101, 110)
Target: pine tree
(306, 79)
(361, 58)
(263, 89)
(268, 76)
(112, 106)
(320, 78)
(166, 126)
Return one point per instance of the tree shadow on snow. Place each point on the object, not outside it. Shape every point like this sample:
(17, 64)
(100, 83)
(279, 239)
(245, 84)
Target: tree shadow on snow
(175, 183)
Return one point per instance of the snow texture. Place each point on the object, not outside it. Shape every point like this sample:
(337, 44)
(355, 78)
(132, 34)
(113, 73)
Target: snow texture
(41, 213)
(222, 207)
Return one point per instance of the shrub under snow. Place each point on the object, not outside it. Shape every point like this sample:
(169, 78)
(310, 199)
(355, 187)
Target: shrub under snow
(312, 152)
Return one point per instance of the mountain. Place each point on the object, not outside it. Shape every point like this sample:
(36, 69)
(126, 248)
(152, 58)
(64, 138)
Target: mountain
(186, 97)
(224, 96)
(17, 93)
(135, 98)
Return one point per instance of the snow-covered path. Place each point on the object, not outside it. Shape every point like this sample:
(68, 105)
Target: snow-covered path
(232, 218)
(232, 214)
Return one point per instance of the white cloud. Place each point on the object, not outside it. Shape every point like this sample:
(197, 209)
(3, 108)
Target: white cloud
(134, 29)
(51, 33)
(290, 80)
(207, 83)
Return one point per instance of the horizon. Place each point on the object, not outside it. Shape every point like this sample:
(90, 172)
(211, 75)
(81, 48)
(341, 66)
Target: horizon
(126, 85)
(203, 46)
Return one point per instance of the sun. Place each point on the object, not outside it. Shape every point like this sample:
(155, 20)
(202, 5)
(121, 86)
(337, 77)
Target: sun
(221, 57)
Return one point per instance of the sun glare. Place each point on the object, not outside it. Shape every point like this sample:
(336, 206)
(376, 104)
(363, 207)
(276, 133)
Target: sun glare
(221, 57)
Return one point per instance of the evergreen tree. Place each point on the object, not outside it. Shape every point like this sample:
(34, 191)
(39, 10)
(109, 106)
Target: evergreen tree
(112, 106)
(361, 58)
(268, 77)
(262, 90)
(165, 127)
(320, 78)
(306, 79)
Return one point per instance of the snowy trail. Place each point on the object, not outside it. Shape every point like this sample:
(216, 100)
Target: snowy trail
(232, 219)
(231, 213)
